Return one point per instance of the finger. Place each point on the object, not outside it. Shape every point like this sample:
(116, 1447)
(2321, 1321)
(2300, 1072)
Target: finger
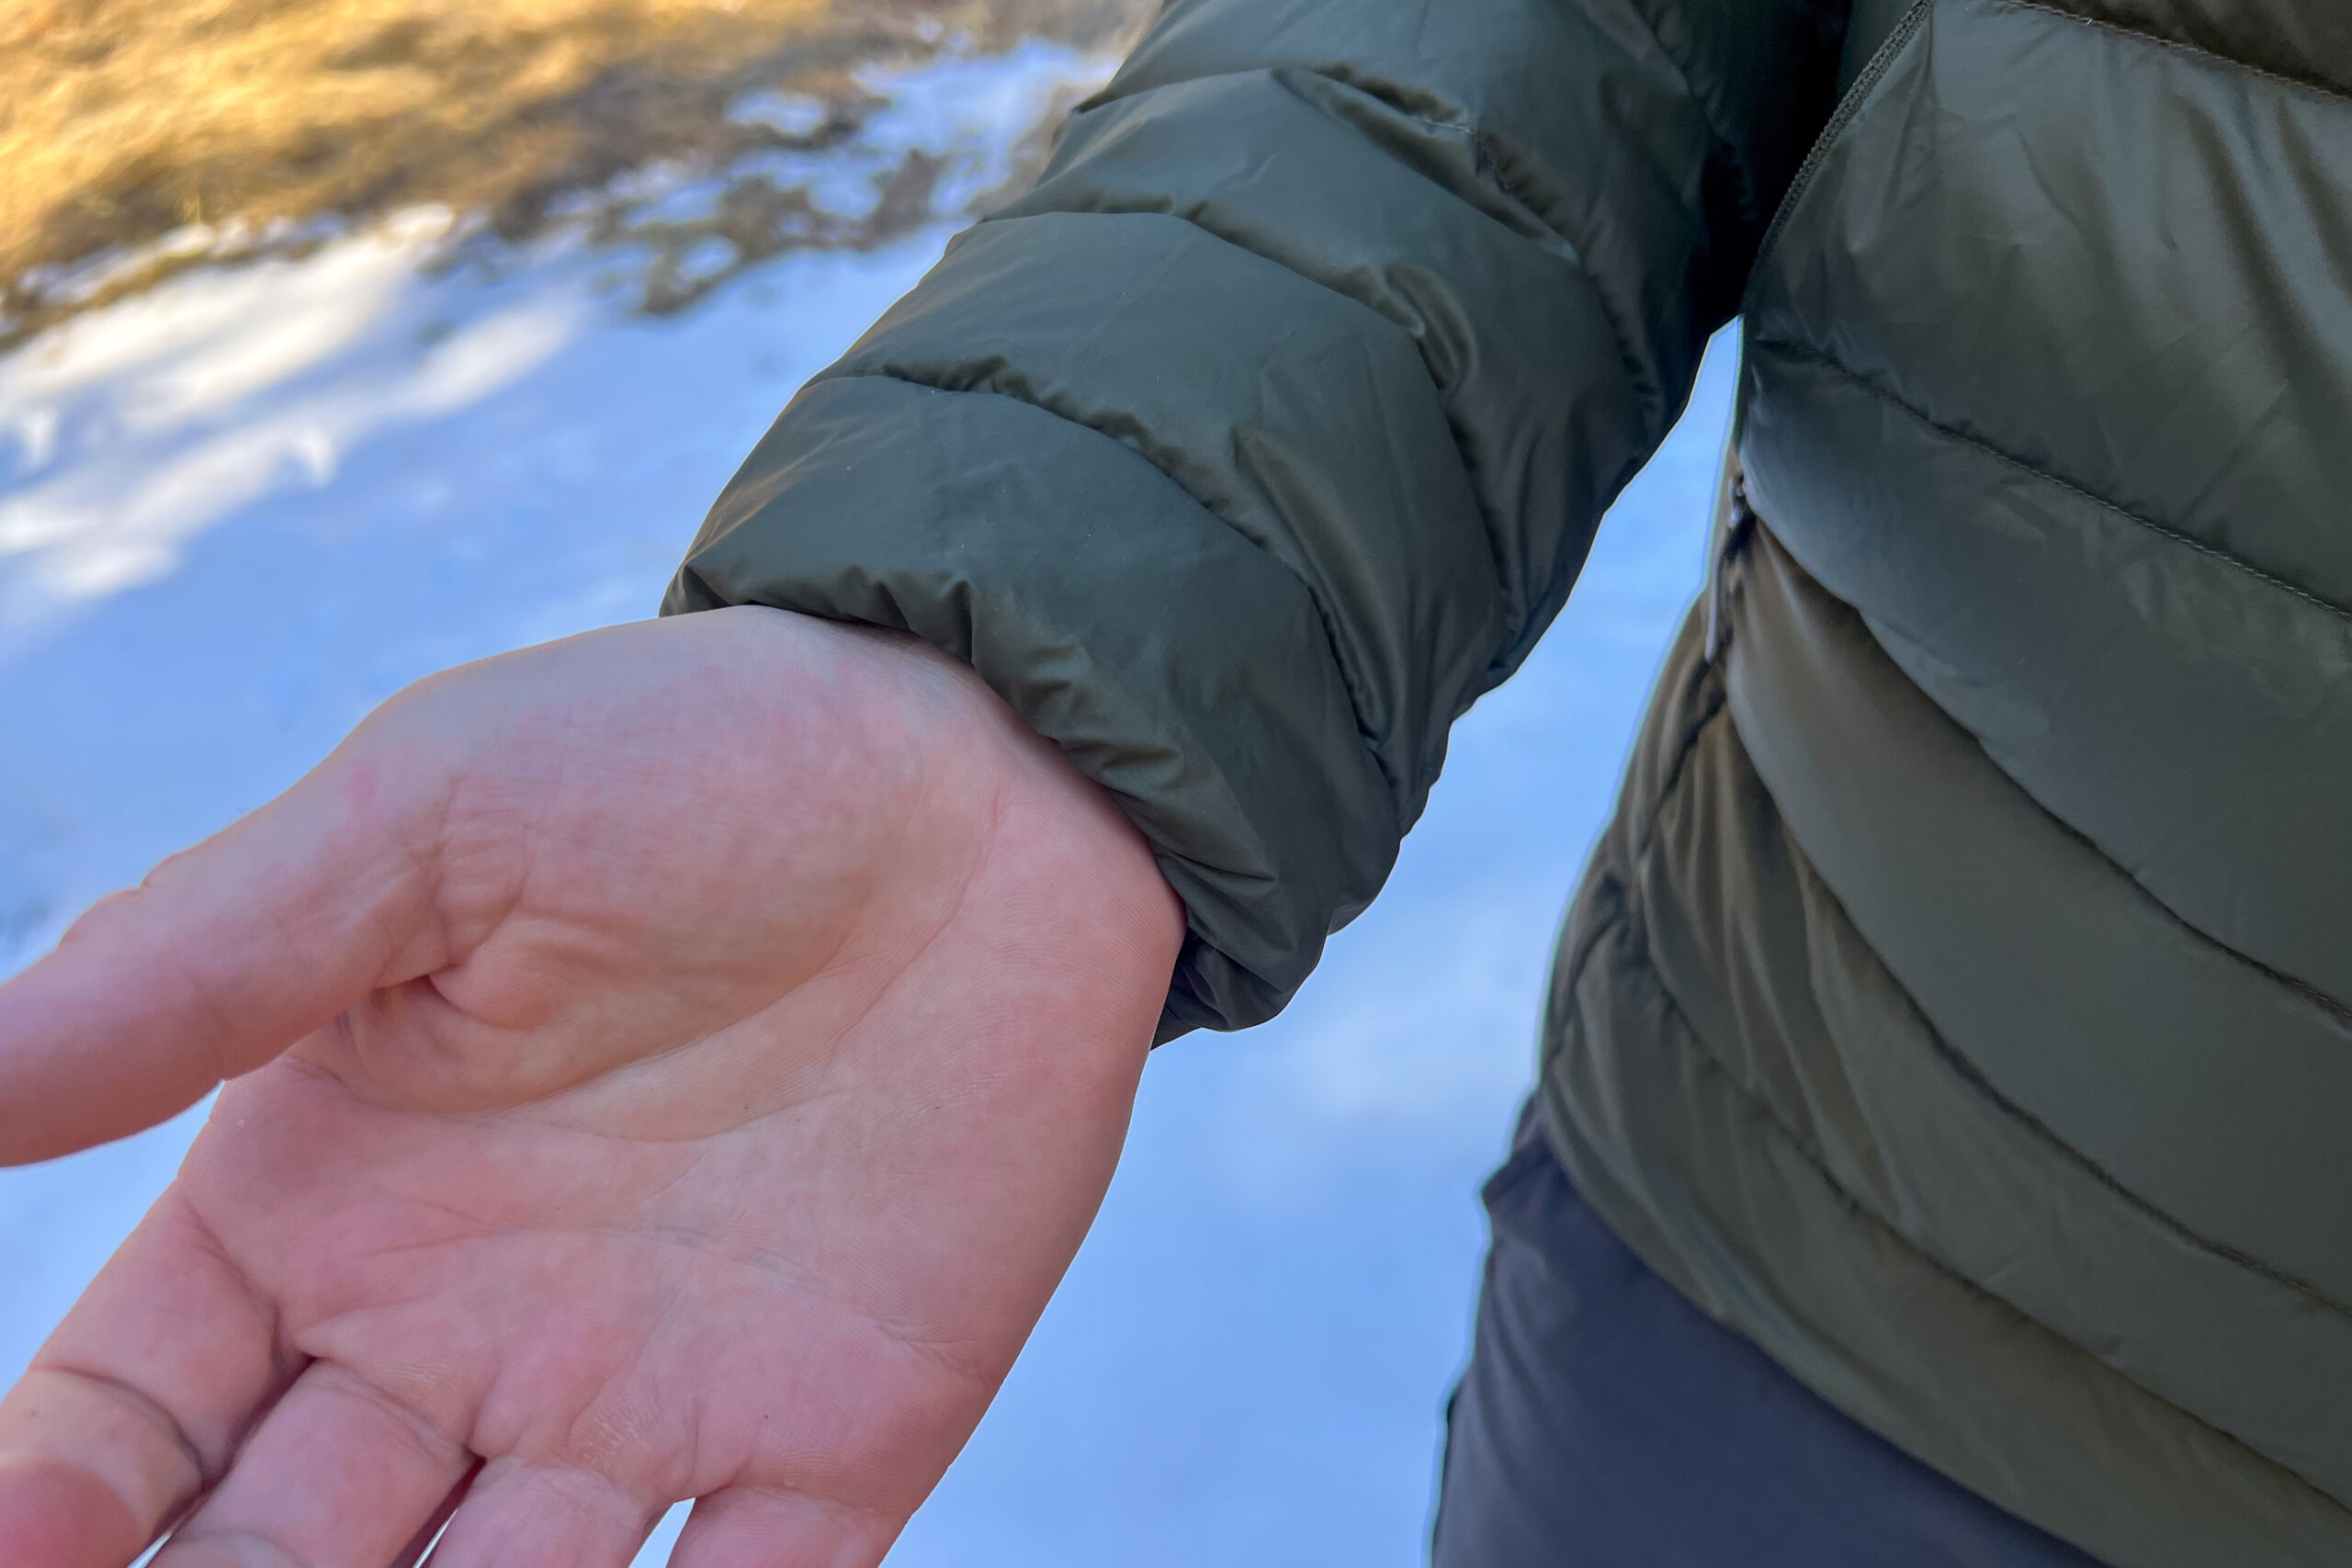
(137, 1402)
(519, 1516)
(412, 1554)
(752, 1528)
(225, 956)
(337, 1475)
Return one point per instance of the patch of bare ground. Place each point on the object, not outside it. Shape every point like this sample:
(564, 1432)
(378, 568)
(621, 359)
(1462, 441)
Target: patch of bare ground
(141, 136)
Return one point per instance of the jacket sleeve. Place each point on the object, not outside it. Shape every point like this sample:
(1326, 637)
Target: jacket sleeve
(1273, 426)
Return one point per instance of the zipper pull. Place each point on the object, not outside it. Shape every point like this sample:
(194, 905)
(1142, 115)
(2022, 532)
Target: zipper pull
(1723, 539)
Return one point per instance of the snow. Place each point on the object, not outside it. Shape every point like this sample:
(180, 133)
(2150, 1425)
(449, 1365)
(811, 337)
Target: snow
(788, 114)
(239, 510)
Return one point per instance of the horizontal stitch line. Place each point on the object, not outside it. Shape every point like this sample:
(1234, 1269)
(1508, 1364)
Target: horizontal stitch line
(1712, 698)
(1716, 706)
(1968, 1068)
(1710, 1061)
(1500, 155)
(1390, 96)
(2092, 847)
(1322, 612)
(2317, 87)
(1810, 355)
(2302, 988)
(1489, 516)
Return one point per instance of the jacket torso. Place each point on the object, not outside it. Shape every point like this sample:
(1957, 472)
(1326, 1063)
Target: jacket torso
(1960, 1008)
(1957, 1005)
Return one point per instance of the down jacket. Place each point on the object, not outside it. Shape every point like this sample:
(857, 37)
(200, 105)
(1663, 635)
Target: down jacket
(1957, 1005)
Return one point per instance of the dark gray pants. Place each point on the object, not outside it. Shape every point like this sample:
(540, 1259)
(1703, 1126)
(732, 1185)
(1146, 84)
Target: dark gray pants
(1605, 1421)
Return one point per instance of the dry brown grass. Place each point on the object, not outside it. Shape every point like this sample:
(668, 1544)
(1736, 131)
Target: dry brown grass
(124, 120)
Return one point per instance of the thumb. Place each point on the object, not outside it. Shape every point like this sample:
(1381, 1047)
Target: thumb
(225, 956)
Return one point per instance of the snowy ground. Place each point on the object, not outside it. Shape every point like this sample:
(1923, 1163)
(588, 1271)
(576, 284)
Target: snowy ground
(239, 511)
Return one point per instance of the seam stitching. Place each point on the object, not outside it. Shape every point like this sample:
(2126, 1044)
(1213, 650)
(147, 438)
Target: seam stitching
(2304, 988)
(1716, 702)
(1848, 109)
(1796, 350)
(2317, 87)
(1500, 157)
(1490, 518)
(1492, 155)
(1646, 389)
(1322, 612)
(1968, 1069)
(1709, 1060)
(1572, 976)
(1975, 1076)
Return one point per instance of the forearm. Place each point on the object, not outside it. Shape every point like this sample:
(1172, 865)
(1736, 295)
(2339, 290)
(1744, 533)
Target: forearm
(1272, 428)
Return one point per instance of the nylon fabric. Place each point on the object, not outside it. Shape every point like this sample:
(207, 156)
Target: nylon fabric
(2135, 613)
(1287, 257)
(1708, 994)
(2031, 935)
(939, 480)
(1495, 302)
(1957, 1010)
(1244, 421)
(2047, 369)
(1919, 1098)
(2295, 40)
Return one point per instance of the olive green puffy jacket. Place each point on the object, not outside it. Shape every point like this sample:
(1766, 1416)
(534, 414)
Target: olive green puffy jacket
(1957, 1006)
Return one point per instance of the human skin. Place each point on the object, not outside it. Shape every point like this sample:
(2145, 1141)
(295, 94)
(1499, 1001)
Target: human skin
(675, 1062)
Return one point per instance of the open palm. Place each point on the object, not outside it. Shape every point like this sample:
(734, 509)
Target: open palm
(677, 1062)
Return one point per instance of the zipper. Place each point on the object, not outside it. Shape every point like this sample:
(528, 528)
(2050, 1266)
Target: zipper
(1881, 58)
(1733, 522)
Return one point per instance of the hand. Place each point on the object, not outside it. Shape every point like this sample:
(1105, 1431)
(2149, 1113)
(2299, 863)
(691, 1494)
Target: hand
(676, 1062)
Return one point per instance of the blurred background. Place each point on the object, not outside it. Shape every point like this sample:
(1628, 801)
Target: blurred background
(344, 340)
